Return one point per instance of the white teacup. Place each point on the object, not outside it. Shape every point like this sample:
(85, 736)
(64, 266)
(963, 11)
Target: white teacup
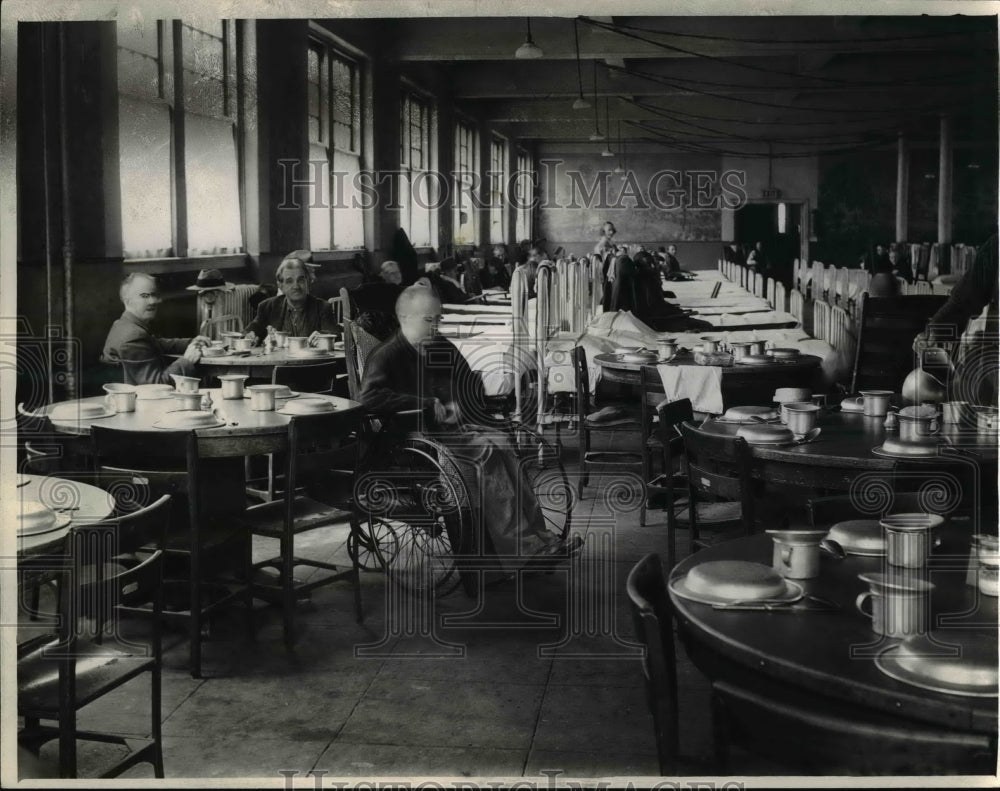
(792, 394)
(876, 402)
(262, 397)
(667, 349)
(242, 344)
(908, 538)
(296, 343)
(801, 418)
(796, 553)
(121, 400)
(186, 384)
(900, 603)
(954, 411)
(188, 400)
(709, 346)
(232, 385)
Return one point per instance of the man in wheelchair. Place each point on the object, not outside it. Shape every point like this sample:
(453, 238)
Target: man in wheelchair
(418, 370)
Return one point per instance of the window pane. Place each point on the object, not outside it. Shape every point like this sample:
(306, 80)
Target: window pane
(348, 220)
(144, 146)
(204, 70)
(213, 187)
(319, 199)
(139, 60)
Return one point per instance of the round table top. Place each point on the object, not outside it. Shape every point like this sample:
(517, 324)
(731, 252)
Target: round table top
(847, 439)
(832, 653)
(242, 420)
(615, 362)
(89, 503)
(258, 357)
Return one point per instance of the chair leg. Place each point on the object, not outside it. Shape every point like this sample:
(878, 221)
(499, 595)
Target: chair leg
(359, 615)
(156, 727)
(195, 621)
(720, 733)
(288, 589)
(248, 594)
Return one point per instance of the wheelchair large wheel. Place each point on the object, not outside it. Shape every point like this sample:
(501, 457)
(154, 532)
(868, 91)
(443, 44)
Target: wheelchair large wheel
(542, 466)
(415, 512)
(372, 544)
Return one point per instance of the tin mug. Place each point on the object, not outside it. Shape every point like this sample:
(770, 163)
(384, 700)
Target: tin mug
(899, 604)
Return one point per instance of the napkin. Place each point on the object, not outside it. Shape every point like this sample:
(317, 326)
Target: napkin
(701, 383)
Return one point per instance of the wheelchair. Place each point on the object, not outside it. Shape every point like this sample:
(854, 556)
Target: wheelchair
(419, 523)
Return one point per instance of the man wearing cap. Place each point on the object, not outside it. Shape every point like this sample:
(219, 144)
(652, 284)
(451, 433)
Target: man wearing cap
(294, 310)
(147, 359)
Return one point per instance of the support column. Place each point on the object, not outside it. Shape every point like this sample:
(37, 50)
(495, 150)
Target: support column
(902, 188)
(945, 181)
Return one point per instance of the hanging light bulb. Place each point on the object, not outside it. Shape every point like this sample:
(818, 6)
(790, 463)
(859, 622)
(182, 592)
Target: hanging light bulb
(607, 152)
(596, 136)
(580, 103)
(528, 50)
(618, 166)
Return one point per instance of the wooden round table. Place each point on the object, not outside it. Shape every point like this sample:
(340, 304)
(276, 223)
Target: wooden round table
(741, 384)
(843, 452)
(86, 503)
(243, 422)
(259, 364)
(819, 656)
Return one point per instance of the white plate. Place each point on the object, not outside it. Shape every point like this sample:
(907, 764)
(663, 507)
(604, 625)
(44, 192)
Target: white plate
(81, 418)
(679, 585)
(755, 359)
(291, 394)
(887, 662)
(62, 520)
(851, 532)
(885, 454)
(169, 427)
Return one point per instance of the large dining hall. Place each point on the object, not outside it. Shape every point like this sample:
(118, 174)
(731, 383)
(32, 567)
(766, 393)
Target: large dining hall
(466, 396)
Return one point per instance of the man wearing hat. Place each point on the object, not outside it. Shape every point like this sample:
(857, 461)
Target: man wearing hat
(294, 310)
(147, 359)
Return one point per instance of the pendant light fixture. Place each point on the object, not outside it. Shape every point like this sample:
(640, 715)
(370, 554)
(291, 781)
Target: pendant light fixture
(580, 103)
(596, 136)
(528, 50)
(607, 152)
(619, 168)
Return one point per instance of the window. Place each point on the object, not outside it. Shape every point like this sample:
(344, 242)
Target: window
(498, 181)
(416, 195)
(336, 216)
(523, 189)
(155, 116)
(466, 223)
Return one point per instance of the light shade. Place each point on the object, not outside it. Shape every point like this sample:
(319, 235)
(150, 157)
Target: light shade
(583, 104)
(596, 136)
(528, 50)
(618, 169)
(607, 152)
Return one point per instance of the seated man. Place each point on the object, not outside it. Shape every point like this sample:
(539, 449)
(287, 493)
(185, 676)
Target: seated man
(446, 284)
(374, 304)
(294, 310)
(418, 369)
(147, 358)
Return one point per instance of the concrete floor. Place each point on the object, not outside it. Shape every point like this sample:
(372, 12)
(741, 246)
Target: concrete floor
(538, 676)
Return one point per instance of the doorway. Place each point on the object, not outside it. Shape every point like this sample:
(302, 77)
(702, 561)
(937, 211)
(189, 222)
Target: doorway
(776, 224)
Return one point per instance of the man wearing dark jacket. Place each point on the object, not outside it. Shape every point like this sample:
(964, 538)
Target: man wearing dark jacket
(418, 369)
(294, 310)
(147, 358)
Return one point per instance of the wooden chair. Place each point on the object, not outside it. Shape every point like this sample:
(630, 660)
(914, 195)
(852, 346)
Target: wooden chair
(653, 618)
(59, 674)
(340, 306)
(719, 471)
(315, 378)
(886, 329)
(206, 538)
(358, 346)
(316, 446)
(669, 490)
(630, 423)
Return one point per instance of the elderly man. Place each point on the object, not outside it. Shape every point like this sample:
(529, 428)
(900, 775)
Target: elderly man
(391, 273)
(147, 359)
(294, 310)
(418, 369)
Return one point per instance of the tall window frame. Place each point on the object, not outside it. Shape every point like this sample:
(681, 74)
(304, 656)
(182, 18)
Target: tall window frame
(497, 179)
(465, 227)
(180, 159)
(524, 189)
(335, 109)
(417, 196)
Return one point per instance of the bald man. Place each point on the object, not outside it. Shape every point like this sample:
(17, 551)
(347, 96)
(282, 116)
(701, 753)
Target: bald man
(147, 359)
(418, 369)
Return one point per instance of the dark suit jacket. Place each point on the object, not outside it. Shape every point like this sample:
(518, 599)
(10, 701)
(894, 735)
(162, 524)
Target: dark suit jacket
(398, 377)
(274, 312)
(146, 357)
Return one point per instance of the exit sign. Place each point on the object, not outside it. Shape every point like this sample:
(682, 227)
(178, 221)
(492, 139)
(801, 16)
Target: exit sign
(770, 193)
